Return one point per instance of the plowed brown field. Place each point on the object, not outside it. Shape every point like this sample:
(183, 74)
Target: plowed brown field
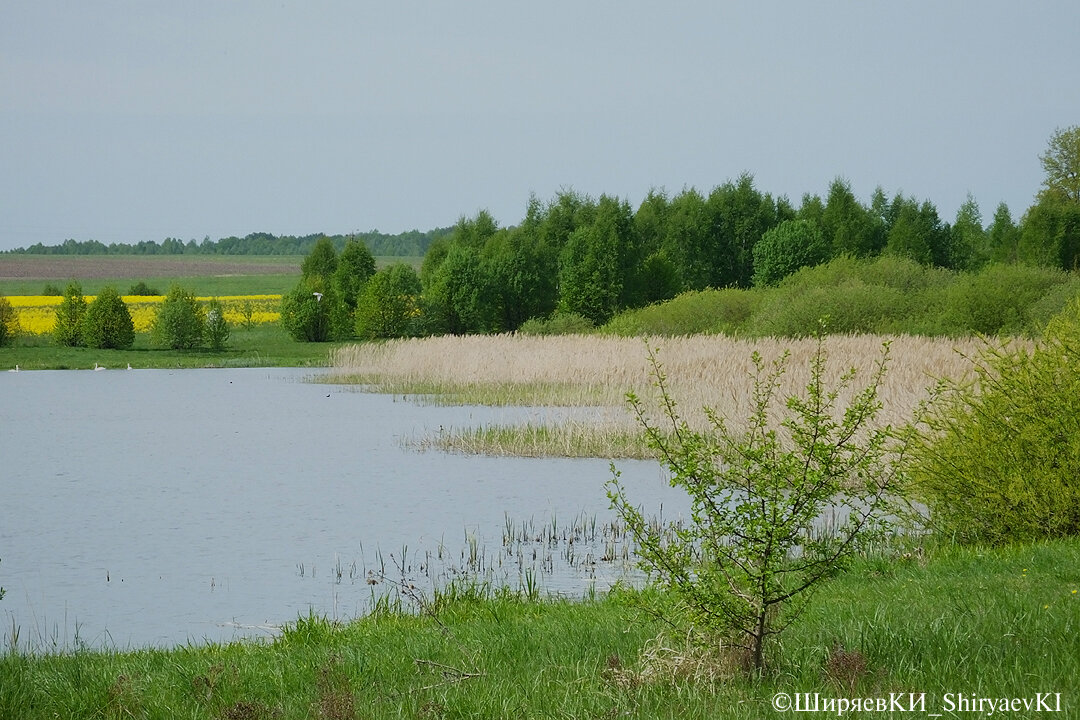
(59, 267)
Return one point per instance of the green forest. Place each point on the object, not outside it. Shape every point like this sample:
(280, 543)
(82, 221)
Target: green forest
(576, 262)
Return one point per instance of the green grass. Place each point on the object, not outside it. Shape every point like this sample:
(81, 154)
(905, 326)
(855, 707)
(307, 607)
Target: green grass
(1001, 623)
(202, 286)
(576, 439)
(261, 346)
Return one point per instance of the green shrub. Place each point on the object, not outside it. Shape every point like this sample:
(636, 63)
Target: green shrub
(9, 322)
(996, 300)
(855, 308)
(700, 311)
(180, 323)
(313, 312)
(107, 322)
(1050, 304)
(51, 290)
(1000, 459)
(217, 329)
(141, 288)
(559, 323)
(69, 316)
(902, 273)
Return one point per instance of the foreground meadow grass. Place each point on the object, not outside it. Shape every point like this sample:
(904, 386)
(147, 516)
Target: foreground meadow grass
(1001, 623)
(575, 370)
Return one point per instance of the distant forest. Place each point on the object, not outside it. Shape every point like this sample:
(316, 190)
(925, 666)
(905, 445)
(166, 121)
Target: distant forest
(412, 243)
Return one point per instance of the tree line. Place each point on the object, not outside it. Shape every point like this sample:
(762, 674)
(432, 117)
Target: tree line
(412, 243)
(592, 258)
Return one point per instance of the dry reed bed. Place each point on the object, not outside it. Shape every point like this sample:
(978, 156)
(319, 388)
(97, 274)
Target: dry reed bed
(703, 371)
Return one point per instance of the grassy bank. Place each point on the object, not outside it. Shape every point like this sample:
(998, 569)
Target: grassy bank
(994, 624)
(260, 346)
(568, 370)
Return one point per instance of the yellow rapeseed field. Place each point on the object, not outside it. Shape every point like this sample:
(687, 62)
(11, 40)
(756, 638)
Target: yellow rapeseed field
(37, 313)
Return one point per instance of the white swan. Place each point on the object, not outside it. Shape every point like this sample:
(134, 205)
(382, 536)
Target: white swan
(129, 366)
(98, 367)
(14, 369)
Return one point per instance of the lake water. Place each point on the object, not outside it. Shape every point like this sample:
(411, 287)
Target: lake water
(158, 507)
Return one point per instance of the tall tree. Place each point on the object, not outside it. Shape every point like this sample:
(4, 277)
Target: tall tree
(848, 225)
(1061, 161)
(320, 263)
(969, 247)
(1050, 230)
(597, 261)
(740, 214)
(524, 274)
(687, 240)
(461, 298)
(354, 266)
(1003, 237)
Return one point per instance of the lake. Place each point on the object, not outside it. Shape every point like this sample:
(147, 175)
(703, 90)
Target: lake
(157, 507)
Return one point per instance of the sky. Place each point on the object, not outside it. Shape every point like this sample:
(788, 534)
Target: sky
(129, 120)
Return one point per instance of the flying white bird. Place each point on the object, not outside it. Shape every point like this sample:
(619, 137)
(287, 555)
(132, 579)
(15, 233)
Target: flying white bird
(318, 296)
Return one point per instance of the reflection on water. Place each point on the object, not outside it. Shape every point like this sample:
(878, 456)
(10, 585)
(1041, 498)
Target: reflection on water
(157, 507)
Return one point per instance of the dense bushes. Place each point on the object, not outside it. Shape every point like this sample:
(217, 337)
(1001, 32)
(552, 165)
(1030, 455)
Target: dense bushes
(560, 323)
(887, 294)
(706, 311)
(1000, 460)
(851, 308)
(995, 300)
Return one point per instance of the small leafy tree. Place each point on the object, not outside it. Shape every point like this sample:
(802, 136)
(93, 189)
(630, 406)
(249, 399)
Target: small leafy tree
(389, 304)
(313, 312)
(180, 323)
(355, 266)
(744, 568)
(9, 321)
(247, 311)
(69, 316)
(107, 322)
(321, 262)
(217, 328)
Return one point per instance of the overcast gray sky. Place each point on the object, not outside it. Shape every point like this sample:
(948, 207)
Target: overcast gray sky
(140, 120)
